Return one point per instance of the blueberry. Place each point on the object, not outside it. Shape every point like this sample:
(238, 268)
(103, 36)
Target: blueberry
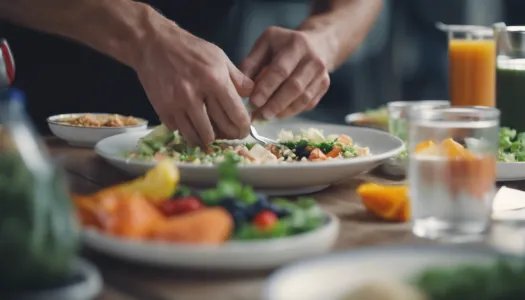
(252, 211)
(280, 212)
(239, 219)
(231, 204)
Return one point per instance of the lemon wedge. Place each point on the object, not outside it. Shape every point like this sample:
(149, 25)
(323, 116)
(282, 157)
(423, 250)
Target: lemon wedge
(159, 183)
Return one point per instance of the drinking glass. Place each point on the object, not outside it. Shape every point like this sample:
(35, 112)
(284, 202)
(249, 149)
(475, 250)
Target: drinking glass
(398, 113)
(510, 75)
(472, 65)
(452, 171)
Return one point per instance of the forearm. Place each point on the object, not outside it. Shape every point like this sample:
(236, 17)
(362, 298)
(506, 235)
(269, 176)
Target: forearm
(337, 27)
(113, 27)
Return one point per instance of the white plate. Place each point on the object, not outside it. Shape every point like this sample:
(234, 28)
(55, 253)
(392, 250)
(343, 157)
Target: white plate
(510, 171)
(284, 178)
(505, 171)
(331, 277)
(87, 136)
(258, 255)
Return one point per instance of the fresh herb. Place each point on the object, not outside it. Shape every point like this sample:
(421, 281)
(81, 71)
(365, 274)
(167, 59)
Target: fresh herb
(500, 281)
(324, 146)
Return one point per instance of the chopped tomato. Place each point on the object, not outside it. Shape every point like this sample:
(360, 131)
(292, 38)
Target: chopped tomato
(334, 152)
(265, 219)
(180, 206)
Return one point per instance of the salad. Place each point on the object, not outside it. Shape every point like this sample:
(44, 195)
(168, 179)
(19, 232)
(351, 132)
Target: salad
(309, 145)
(155, 207)
(499, 281)
(511, 145)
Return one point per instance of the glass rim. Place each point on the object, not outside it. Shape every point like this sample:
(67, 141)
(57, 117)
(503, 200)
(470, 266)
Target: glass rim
(406, 103)
(409, 105)
(512, 29)
(485, 113)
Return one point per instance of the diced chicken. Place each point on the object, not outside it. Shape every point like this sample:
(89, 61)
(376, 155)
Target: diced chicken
(262, 155)
(273, 149)
(316, 155)
(244, 152)
(362, 151)
(345, 140)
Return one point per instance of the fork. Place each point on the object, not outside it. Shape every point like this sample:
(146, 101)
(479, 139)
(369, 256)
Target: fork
(260, 138)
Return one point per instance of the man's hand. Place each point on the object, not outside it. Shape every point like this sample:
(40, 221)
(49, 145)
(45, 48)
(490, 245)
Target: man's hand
(291, 76)
(193, 86)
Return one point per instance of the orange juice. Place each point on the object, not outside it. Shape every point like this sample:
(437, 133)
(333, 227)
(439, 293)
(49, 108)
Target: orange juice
(472, 72)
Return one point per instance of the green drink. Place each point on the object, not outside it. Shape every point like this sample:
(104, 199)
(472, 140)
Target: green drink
(510, 92)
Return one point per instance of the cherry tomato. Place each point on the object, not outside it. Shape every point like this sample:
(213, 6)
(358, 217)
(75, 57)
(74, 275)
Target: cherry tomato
(265, 219)
(180, 206)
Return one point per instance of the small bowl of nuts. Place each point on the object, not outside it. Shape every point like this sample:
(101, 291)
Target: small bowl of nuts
(86, 129)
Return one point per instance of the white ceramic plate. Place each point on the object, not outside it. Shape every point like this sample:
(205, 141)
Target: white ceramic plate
(333, 276)
(258, 255)
(87, 136)
(285, 178)
(505, 171)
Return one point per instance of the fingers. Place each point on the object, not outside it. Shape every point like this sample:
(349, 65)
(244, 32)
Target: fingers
(258, 57)
(201, 123)
(231, 103)
(292, 88)
(243, 84)
(309, 99)
(277, 72)
(222, 124)
(186, 128)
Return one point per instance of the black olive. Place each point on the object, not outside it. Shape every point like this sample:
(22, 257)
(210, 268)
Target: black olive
(301, 152)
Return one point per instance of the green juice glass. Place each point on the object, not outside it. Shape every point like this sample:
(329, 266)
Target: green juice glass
(510, 76)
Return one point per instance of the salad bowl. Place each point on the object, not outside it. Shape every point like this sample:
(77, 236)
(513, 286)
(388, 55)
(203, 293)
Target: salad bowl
(274, 179)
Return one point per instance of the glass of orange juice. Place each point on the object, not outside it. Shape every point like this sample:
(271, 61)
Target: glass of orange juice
(472, 65)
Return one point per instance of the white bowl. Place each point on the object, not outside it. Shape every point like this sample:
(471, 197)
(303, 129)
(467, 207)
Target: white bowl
(234, 255)
(87, 136)
(333, 276)
(274, 179)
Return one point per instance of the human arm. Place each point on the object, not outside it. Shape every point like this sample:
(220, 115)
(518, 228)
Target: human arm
(191, 84)
(291, 66)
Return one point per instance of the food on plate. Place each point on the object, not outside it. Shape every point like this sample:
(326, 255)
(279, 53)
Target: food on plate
(309, 145)
(96, 120)
(156, 207)
(387, 202)
(511, 145)
(374, 117)
(502, 280)
(385, 290)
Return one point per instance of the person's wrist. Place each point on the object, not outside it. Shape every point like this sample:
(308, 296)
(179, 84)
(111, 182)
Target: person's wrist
(154, 26)
(323, 42)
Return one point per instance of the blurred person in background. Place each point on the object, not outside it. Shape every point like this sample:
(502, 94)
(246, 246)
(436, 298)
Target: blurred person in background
(190, 82)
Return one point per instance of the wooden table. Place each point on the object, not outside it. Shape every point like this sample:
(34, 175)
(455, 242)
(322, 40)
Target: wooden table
(123, 281)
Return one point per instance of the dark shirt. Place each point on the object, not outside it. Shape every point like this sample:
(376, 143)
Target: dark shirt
(60, 76)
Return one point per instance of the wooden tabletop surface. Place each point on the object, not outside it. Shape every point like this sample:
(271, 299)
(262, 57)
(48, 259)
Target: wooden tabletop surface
(126, 281)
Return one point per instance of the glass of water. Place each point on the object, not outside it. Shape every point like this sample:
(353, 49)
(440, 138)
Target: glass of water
(452, 171)
(398, 112)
